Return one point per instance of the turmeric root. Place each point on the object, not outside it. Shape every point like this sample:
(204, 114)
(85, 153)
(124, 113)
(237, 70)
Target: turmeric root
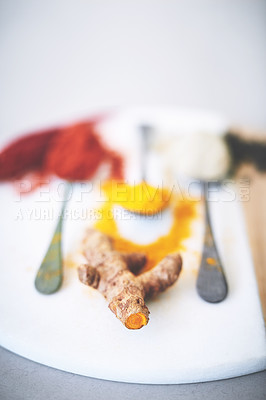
(111, 273)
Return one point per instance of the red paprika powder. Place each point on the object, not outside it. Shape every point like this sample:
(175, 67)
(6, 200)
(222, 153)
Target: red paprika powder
(74, 153)
(26, 154)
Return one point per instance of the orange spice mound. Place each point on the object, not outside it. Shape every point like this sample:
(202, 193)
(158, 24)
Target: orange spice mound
(141, 198)
(184, 211)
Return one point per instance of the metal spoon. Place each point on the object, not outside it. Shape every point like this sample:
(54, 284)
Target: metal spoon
(211, 281)
(50, 274)
(145, 131)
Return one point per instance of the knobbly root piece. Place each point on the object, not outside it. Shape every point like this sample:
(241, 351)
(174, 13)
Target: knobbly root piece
(162, 276)
(130, 308)
(135, 261)
(108, 271)
(89, 275)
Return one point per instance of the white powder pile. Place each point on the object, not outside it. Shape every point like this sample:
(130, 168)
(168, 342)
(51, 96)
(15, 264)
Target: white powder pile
(201, 155)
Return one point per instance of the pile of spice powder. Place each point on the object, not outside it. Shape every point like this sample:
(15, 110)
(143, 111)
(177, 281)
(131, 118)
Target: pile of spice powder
(73, 153)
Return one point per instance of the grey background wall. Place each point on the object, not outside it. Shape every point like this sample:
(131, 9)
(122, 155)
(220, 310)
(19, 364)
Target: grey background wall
(63, 58)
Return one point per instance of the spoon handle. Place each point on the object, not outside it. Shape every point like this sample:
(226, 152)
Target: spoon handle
(211, 281)
(50, 274)
(145, 131)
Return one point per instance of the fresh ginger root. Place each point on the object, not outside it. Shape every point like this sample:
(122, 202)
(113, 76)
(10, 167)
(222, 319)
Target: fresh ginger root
(112, 274)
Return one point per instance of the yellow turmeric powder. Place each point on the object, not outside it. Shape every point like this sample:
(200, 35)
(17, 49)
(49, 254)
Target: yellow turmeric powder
(141, 198)
(184, 210)
(211, 261)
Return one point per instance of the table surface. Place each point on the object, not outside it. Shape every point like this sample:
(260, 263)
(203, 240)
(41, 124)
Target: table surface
(25, 379)
(255, 215)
